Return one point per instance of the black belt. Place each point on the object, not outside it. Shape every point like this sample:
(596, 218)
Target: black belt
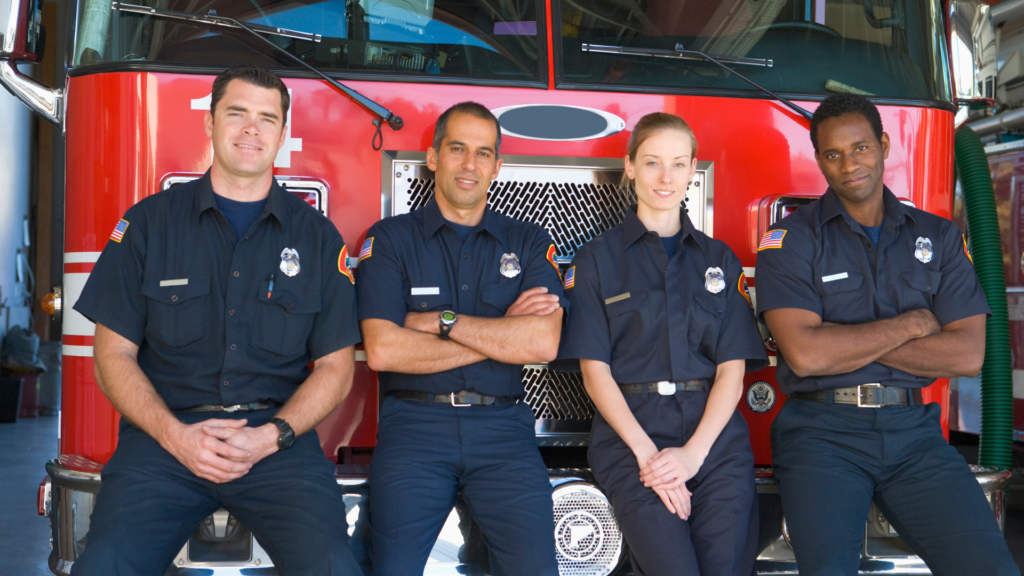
(863, 396)
(460, 398)
(250, 407)
(665, 388)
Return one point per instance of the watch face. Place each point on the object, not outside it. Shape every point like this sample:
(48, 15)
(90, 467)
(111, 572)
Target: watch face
(448, 316)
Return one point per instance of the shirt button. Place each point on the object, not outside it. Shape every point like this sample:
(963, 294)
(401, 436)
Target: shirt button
(927, 287)
(235, 274)
(174, 298)
(226, 382)
(291, 306)
(465, 255)
(234, 347)
(423, 304)
(231, 312)
(464, 287)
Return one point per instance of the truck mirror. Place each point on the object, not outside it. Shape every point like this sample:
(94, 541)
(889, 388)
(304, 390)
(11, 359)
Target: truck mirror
(22, 35)
(972, 55)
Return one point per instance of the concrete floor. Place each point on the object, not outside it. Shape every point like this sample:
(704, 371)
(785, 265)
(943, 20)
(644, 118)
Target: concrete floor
(25, 536)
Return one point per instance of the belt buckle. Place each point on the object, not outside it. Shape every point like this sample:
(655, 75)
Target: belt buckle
(234, 408)
(666, 388)
(860, 402)
(461, 397)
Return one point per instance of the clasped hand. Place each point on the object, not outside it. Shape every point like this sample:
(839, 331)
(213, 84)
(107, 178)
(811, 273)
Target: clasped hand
(222, 450)
(667, 471)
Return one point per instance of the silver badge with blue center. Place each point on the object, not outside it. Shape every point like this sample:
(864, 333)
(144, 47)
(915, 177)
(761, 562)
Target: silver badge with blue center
(290, 262)
(714, 280)
(923, 250)
(510, 265)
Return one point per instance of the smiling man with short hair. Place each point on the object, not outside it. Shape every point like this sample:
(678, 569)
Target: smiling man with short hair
(210, 300)
(870, 300)
(454, 300)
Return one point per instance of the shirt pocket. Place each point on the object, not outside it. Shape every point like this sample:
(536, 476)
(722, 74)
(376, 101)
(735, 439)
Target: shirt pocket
(919, 287)
(428, 299)
(284, 320)
(706, 322)
(842, 296)
(629, 321)
(498, 298)
(178, 313)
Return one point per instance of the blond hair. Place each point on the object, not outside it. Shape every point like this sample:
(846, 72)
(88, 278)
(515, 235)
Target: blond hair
(650, 125)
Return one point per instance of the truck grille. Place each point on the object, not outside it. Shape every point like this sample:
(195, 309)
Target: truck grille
(573, 213)
(556, 395)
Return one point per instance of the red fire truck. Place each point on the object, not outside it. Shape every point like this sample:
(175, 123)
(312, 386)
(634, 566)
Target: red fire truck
(568, 79)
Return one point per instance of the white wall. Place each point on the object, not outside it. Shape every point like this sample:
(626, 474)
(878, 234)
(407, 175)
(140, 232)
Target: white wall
(15, 149)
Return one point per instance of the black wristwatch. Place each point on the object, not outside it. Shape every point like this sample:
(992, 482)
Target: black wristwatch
(448, 319)
(287, 436)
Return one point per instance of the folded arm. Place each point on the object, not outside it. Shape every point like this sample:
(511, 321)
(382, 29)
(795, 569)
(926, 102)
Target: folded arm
(814, 348)
(958, 350)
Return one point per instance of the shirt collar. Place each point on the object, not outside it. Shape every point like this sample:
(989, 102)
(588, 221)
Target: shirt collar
(275, 201)
(831, 207)
(633, 229)
(433, 220)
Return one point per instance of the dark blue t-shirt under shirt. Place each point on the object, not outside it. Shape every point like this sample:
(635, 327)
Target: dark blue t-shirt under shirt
(873, 232)
(462, 231)
(240, 215)
(671, 243)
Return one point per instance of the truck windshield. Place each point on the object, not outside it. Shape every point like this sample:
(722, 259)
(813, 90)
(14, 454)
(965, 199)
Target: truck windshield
(884, 48)
(479, 39)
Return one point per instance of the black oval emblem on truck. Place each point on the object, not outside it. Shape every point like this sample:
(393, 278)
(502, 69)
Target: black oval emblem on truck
(557, 122)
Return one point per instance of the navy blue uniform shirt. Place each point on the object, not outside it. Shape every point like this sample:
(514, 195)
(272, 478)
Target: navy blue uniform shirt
(820, 259)
(416, 262)
(654, 318)
(198, 302)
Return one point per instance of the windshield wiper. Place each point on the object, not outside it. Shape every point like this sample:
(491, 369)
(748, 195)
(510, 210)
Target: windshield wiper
(257, 30)
(682, 54)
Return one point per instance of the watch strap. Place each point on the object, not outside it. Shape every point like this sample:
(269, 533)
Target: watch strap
(287, 435)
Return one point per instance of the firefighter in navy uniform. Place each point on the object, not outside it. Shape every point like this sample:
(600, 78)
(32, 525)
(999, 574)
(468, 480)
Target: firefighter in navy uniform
(453, 300)
(869, 300)
(662, 326)
(210, 301)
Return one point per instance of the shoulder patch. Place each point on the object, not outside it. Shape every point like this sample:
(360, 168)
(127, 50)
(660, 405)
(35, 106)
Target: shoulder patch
(119, 230)
(343, 264)
(570, 277)
(367, 250)
(772, 239)
(551, 258)
(741, 286)
(967, 251)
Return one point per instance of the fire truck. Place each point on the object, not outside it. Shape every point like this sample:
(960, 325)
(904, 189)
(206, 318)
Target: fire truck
(568, 79)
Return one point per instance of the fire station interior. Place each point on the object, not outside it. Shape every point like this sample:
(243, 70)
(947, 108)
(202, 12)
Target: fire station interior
(33, 184)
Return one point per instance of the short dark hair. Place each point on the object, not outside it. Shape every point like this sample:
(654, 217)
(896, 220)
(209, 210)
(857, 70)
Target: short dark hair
(254, 75)
(842, 104)
(473, 109)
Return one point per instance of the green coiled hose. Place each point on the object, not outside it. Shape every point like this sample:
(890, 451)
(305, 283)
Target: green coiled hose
(987, 250)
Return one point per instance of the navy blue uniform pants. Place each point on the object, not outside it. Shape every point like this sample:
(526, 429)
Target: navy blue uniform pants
(150, 504)
(720, 536)
(427, 453)
(832, 460)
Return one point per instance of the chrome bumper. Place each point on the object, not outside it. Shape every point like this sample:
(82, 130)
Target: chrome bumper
(884, 552)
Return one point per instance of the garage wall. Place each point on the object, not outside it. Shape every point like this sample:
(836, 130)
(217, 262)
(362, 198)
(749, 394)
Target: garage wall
(15, 181)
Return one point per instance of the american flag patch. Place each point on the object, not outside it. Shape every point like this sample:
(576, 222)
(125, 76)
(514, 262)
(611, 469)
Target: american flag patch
(570, 278)
(367, 249)
(772, 239)
(119, 230)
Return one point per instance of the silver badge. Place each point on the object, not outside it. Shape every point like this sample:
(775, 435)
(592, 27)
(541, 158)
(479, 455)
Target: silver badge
(760, 397)
(290, 262)
(923, 250)
(714, 280)
(510, 265)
